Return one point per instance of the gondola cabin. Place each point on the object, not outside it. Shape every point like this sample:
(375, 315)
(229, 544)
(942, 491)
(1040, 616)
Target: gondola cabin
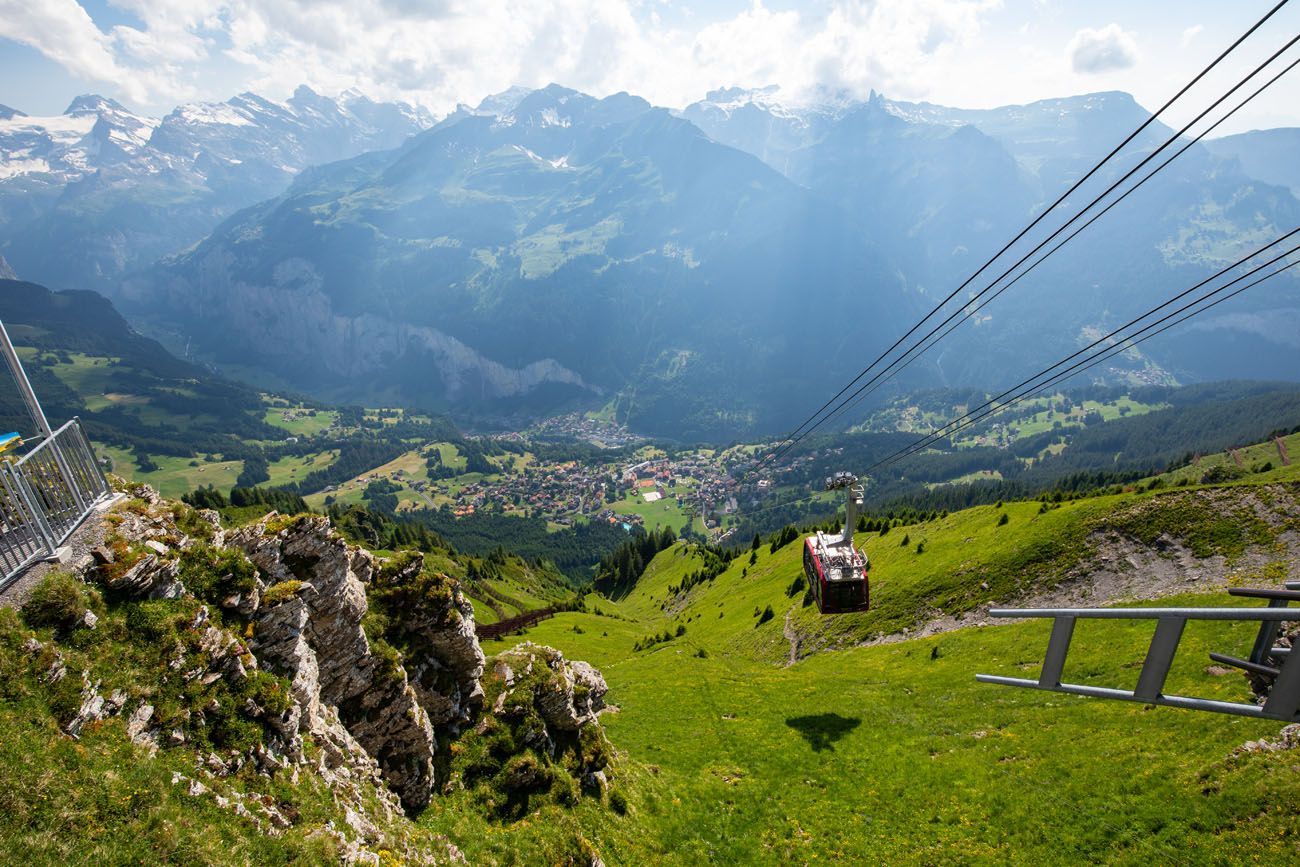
(836, 570)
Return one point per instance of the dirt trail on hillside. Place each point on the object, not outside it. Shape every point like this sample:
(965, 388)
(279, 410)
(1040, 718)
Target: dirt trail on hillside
(792, 635)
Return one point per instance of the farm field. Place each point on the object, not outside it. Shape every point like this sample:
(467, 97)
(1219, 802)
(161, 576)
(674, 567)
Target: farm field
(300, 421)
(292, 469)
(174, 476)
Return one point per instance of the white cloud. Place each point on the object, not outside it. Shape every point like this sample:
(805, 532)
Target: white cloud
(1190, 34)
(1104, 50)
(442, 52)
(63, 32)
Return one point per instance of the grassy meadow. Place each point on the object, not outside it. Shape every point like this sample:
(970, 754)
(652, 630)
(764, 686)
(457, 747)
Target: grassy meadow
(892, 752)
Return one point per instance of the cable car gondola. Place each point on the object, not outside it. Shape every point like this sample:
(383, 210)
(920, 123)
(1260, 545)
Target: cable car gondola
(835, 569)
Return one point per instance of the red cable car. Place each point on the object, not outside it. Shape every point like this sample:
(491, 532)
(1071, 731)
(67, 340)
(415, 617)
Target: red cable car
(837, 570)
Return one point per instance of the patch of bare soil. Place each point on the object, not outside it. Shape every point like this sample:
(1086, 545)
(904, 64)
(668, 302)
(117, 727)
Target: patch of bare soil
(1121, 569)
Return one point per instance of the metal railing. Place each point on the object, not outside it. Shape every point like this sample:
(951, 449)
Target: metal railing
(1283, 702)
(45, 495)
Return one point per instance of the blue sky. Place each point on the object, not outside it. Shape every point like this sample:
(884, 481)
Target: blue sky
(153, 54)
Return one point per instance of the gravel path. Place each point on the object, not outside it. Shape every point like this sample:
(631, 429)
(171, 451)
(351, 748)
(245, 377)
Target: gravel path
(89, 535)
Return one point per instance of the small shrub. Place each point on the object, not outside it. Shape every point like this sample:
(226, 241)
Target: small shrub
(389, 666)
(1003, 520)
(156, 620)
(618, 802)
(282, 592)
(796, 586)
(767, 615)
(59, 601)
(565, 791)
(214, 574)
(907, 540)
(1222, 473)
(524, 774)
(920, 547)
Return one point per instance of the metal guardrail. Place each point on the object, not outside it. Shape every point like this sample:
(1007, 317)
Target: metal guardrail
(44, 497)
(1283, 702)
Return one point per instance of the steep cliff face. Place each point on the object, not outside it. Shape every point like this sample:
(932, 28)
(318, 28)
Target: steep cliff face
(316, 635)
(367, 662)
(291, 318)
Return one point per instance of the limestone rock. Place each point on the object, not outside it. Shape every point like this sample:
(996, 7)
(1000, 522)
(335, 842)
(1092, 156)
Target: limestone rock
(150, 578)
(573, 693)
(447, 679)
(317, 641)
(1287, 739)
(137, 726)
(91, 710)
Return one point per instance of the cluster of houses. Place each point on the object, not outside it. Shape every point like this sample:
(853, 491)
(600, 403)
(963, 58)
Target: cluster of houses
(558, 492)
(701, 483)
(562, 492)
(604, 434)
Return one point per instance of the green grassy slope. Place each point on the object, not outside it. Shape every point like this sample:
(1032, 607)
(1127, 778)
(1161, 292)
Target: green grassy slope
(893, 753)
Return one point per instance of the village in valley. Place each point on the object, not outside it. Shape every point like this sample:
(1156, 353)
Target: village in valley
(693, 490)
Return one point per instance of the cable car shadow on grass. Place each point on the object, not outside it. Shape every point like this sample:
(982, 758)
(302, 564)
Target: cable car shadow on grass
(822, 730)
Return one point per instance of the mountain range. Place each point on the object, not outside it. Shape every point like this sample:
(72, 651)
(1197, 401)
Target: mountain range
(705, 272)
(99, 191)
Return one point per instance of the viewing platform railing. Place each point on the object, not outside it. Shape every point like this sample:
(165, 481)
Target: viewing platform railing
(1277, 665)
(44, 497)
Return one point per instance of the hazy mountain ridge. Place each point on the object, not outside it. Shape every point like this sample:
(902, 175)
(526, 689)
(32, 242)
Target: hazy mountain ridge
(946, 198)
(602, 237)
(92, 194)
(546, 248)
(1268, 154)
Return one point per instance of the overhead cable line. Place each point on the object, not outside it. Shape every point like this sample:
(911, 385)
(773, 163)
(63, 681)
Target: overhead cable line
(881, 376)
(943, 432)
(971, 311)
(1105, 355)
(1031, 387)
(1075, 186)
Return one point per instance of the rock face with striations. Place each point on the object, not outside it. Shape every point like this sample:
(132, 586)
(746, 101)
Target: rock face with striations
(316, 636)
(373, 706)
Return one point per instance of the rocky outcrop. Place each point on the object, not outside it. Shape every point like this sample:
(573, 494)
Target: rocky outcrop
(361, 709)
(548, 705)
(437, 623)
(567, 695)
(6, 271)
(316, 640)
